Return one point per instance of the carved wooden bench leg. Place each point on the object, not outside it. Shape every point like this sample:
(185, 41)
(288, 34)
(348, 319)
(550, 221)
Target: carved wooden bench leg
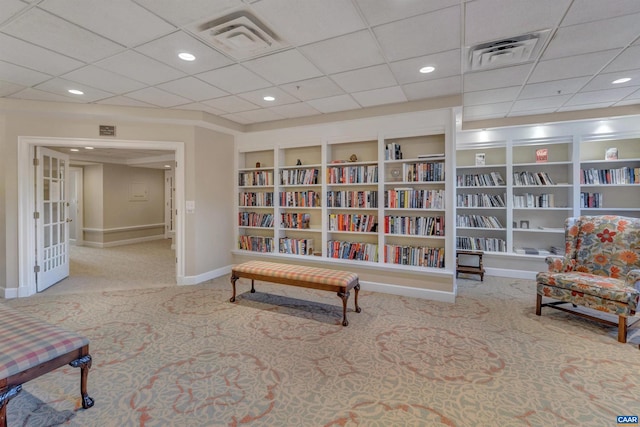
(253, 289)
(355, 296)
(5, 397)
(84, 363)
(344, 296)
(233, 285)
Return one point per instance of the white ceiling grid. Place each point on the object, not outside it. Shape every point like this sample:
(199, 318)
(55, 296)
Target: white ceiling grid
(338, 55)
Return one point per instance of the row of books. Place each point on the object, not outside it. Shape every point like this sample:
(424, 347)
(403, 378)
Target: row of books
(528, 200)
(352, 174)
(414, 225)
(299, 176)
(624, 175)
(532, 178)
(591, 200)
(392, 151)
(246, 179)
(478, 221)
(423, 172)
(352, 250)
(353, 222)
(256, 199)
(414, 199)
(481, 244)
(256, 243)
(491, 179)
(480, 200)
(254, 219)
(296, 246)
(295, 220)
(352, 199)
(300, 199)
(417, 256)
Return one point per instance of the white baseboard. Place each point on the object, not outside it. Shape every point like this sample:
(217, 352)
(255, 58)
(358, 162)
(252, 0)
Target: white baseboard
(407, 291)
(9, 293)
(515, 274)
(209, 275)
(123, 242)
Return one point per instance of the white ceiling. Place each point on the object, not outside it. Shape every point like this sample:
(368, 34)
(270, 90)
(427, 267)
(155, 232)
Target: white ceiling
(337, 55)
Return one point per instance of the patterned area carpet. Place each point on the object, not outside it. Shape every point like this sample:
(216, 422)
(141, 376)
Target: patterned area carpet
(185, 356)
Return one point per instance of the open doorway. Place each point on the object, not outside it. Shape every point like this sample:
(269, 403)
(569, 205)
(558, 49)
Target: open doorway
(27, 244)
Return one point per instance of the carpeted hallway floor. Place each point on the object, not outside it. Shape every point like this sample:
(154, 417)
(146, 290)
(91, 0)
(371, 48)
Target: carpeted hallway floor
(184, 356)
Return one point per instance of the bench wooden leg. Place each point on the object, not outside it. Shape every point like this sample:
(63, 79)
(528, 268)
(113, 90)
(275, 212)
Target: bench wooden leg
(622, 329)
(5, 397)
(233, 286)
(344, 296)
(538, 304)
(253, 289)
(355, 296)
(84, 363)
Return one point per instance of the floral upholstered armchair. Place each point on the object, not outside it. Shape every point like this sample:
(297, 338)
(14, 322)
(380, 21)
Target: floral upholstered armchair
(600, 270)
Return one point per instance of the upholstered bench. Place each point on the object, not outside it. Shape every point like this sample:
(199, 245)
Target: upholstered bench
(30, 347)
(325, 279)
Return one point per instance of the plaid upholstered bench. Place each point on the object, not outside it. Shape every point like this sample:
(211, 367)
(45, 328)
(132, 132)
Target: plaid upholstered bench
(30, 347)
(325, 279)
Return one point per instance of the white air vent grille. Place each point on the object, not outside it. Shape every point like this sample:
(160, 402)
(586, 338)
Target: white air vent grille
(501, 53)
(240, 35)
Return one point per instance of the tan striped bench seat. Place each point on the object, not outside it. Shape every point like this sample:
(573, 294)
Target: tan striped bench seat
(30, 347)
(324, 279)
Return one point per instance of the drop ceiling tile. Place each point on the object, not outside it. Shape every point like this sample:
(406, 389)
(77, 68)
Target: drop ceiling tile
(375, 77)
(158, 97)
(486, 111)
(333, 104)
(184, 12)
(230, 104)
(61, 87)
(139, 67)
(572, 66)
(61, 36)
(123, 101)
(10, 8)
(256, 97)
(635, 95)
(582, 11)
(604, 81)
(167, 48)
(192, 88)
(600, 96)
(491, 96)
(197, 106)
(119, 20)
(283, 67)
(320, 87)
(593, 37)
(299, 109)
(496, 78)
(21, 75)
(553, 88)
(27, 55)
(540, 103)
(236, 118)
(420, 35)
(378, 12)
(446, 64)
(262, 115)
(433, 88)
(388, 95)
(629, 59)
(234, 79)
(8, 88)
(302, 22)
(40, 95)
(103, 79)
(490, 20)
(356, 50)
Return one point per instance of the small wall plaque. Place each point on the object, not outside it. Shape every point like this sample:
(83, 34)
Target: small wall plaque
(107, 130)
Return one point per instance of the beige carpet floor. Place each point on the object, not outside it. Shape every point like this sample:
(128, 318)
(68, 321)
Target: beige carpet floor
(186, 356)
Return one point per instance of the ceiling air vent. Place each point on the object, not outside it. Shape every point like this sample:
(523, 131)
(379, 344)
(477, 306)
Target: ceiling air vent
(240, 35)
(502, 53)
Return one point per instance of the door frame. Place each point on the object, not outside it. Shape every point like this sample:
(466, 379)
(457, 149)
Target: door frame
(79, 221)
(26, 198)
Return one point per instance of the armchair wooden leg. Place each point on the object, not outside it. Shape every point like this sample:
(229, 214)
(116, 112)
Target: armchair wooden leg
(538, 304)
(622, 329)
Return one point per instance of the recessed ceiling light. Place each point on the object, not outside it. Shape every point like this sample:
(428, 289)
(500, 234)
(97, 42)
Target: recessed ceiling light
(186, 56)
(167, 166)
(428, 69)
(88, 148)
(623, 80)
(269, 98)
(76, 92)
(74, 149)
